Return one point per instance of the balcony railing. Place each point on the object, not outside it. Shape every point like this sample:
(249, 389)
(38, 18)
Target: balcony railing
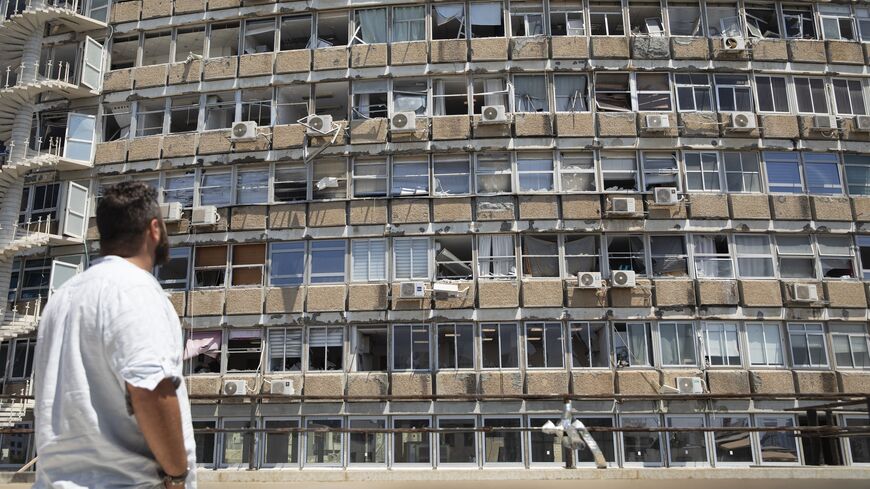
(29, 73)
(30, 313)
(16, 7)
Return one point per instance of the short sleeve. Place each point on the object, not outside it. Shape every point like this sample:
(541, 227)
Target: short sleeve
(139, 339)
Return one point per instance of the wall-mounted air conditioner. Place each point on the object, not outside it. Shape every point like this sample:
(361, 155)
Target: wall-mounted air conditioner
(403, 122)
(205, 215)
(733, 43)
(862, 122)
(493, 114)
(244, 131)
(690, 385)
(622, 205)
(171, 211)
(282, 388)
(666, 196)
(623, 278)
(657, 121)
(234, 388)
(743, 121)
(589, 280)
(412, 290)
(824, 122)
(805, 293)
(318, 125)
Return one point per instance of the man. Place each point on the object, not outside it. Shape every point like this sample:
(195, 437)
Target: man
(111, 408)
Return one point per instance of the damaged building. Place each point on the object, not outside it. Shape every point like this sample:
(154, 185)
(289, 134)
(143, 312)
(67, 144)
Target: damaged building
(404, 233)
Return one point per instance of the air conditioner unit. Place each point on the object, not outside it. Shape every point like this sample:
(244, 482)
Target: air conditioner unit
(622, 205)
(234, 388)
(403, 122)
(743, 121)
(666, 196)
(862, 122)
(657, 121)
(589, 280)
(282, 388)
(805, 293)
(244, 131)
(493, 114)
(412, 290)
(206, 215)
(171, 211)
(319, 125)
(733, 43)
(623, 278)
(824, 122)
(690, 385)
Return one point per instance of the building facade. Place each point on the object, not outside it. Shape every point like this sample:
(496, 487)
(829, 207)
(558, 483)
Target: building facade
(401, 215)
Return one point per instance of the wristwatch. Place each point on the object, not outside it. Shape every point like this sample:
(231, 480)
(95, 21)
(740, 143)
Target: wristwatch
(173, 479)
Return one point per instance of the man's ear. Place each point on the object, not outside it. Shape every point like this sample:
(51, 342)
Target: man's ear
(155, 230)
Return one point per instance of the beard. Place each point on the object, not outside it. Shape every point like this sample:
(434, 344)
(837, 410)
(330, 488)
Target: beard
(161, 251)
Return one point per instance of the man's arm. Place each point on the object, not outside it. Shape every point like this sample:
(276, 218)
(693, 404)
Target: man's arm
(159, 418)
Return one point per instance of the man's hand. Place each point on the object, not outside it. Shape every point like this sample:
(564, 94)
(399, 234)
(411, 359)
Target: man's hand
(159, 417)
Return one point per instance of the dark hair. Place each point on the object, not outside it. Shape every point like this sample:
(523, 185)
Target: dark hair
(124, 212)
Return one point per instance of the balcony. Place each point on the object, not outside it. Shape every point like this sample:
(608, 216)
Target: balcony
(19, 320)
(48, 231)
(23, 17)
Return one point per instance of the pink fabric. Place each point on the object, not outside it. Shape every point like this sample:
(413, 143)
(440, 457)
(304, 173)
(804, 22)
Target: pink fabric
(206, 343)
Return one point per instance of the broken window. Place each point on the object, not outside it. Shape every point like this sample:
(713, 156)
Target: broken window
(796, 256)
(544, 345)
(589, 346)
(179, 187)
(295, 32)
(535, 172)
(493, 173)
(332, 29)
(530, 93)
(189, 43)
(209, 344)
(327, 261)
(210, 266)
(331, 99)
(807, 342)
(702, 171)
(835, 256)
(686, 447)
(149, 117)
(410, 347)
(645, 18)
(323, 446)
(721, 344)
(411, 258)
(330, 179)
(684, 19)
(243, 350)
(292, 103)
(291, 182)
(450, 96)
(410, 95)
(370, 26)
(581, 254)
(812, 98)
(678, 344)
(257, 106)
(566, 18)
(249, 260)
(367, 448)
(451, 174)
(213, 186)
(155, 47)
(252, 186)
(668, 256)
(571, 93)
(371, 347)
(632, 344)
(369, 177)
(733, 93)
(527, 18)
(857, 170)
(124, 51)
(116, 121)
(499, 345)
(173, 275)
(742, 171)
(761, 21)
(660, 170)
(488, 92)
(412, 447)
(455, 446)
(712, 256)
(220, 110)
(184, 114)
(605, 19)
(798, 22)
(754, 256)
(486, 19)
(653, 92)
(409, 23)
(259, 36)
(368, 260)
(626, 253)
(577, 172)
(223, 40)
(495, 256)
(772, 93)
(765, 344)
(453, 258)
(448, 21)
(235, 445)
(723, 20)
(279, 448)
(370, 99)
(540, 255)
(613, 92)
(287, 263)
(455, 346)
(862, 17)
(619, 171)
(693, 92)
(837, 22)
(502, 446)
(850, 346)
(410, 176)
(35, 279)
(849, 96)
(325, 348)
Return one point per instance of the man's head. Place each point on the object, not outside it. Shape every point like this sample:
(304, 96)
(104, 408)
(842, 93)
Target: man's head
(130, 223)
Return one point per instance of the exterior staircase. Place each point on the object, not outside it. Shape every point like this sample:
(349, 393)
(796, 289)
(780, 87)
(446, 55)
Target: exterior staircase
(13, 410)
(22, 17)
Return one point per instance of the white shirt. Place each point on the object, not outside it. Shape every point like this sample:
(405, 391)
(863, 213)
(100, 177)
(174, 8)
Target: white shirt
(111, 325)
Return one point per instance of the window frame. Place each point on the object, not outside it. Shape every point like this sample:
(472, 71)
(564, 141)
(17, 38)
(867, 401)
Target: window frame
(765, 328)
(545, 340)
(588, 327)
(722, 330)
(805, 333)
(498, 337)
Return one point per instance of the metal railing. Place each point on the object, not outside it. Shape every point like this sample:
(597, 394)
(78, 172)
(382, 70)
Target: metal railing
(31, 230)
(31, 313)
(17, 7)
(29, 73)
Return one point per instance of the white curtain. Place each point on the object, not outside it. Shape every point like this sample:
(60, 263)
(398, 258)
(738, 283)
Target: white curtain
(494, 89)
(637, 344)
(373, 25)
(409, 102)
(497, 246)
(446, 13)
(440, 101)
(571, 94)
(409, 23)
(705, 267)
(530, 94)
(670, 352)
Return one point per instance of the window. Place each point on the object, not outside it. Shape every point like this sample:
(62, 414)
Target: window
(410, 176)
(295, 32)
(453, 258)
(500, 446)
(858, 446)
(863, 243)
(678, 344)
(669, 256)
(368, 260)
(411, 258)
(754, 257)
(723, 20)
(837, 22)
(486, 19)
(582, 254)
(331, 98)
(327, 261)
(451, 175)
(606, 441)
(812, 98)
(210, 266)
(660, 170)
(849, 96)
(285, 350)
(409, 23)
(410, 347)
(205, 443)
(619, 171)
(626, 253)
(223, 40)
(410, 95)
(742, 171)
(493, 173)
(712, 256)
(807, 345)
(835, 256)
(455, 346)
(450, 94)
(174, 274)
(252, 187)
(495, 256)
(535, 172)
(566, 18)
(489, 91)
(545, 448)
(693, 92)
(155, 47)
(589, 346)
(527, 18)
(332, 29)
(325, 348)
(189, 41)
(798, 22)
(605, 19)
(330, 179)
(721, 344)
(370, 99)
(632, 344)
(259, 36)
(850, 344)
(369, 177)
(540, 255)
(544, 345)
(124, 49)
(370, 348)
(213, 186)
(499, 346)
(777, 446)
(291, 182)
(183, 114)
(857, 168)
(236, 445)
(279, 448)
(370, 26)
(653, 92)
(16, 447)
(22, 358)
(772, 93)
(243, 350)
(457, 447)
(410, 447)
(687, 447)
(572, 93)
(220, 110)
(645, 18)
(733, 93)
(257, 106)
(323, 447)
(765, 344)
(530, 93)
(39, 202)
(761, 21)
(149, 117)
(612, 92)
(731, 447)
(641, 447)
(822, 173)
(248, 264)
(577, 172)
(292, 103)
(116, 121)
(208, 346)
(796, 256)
(702, 170)
(14, 277)
(367, 448)
(684, 19)
(287, 263)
